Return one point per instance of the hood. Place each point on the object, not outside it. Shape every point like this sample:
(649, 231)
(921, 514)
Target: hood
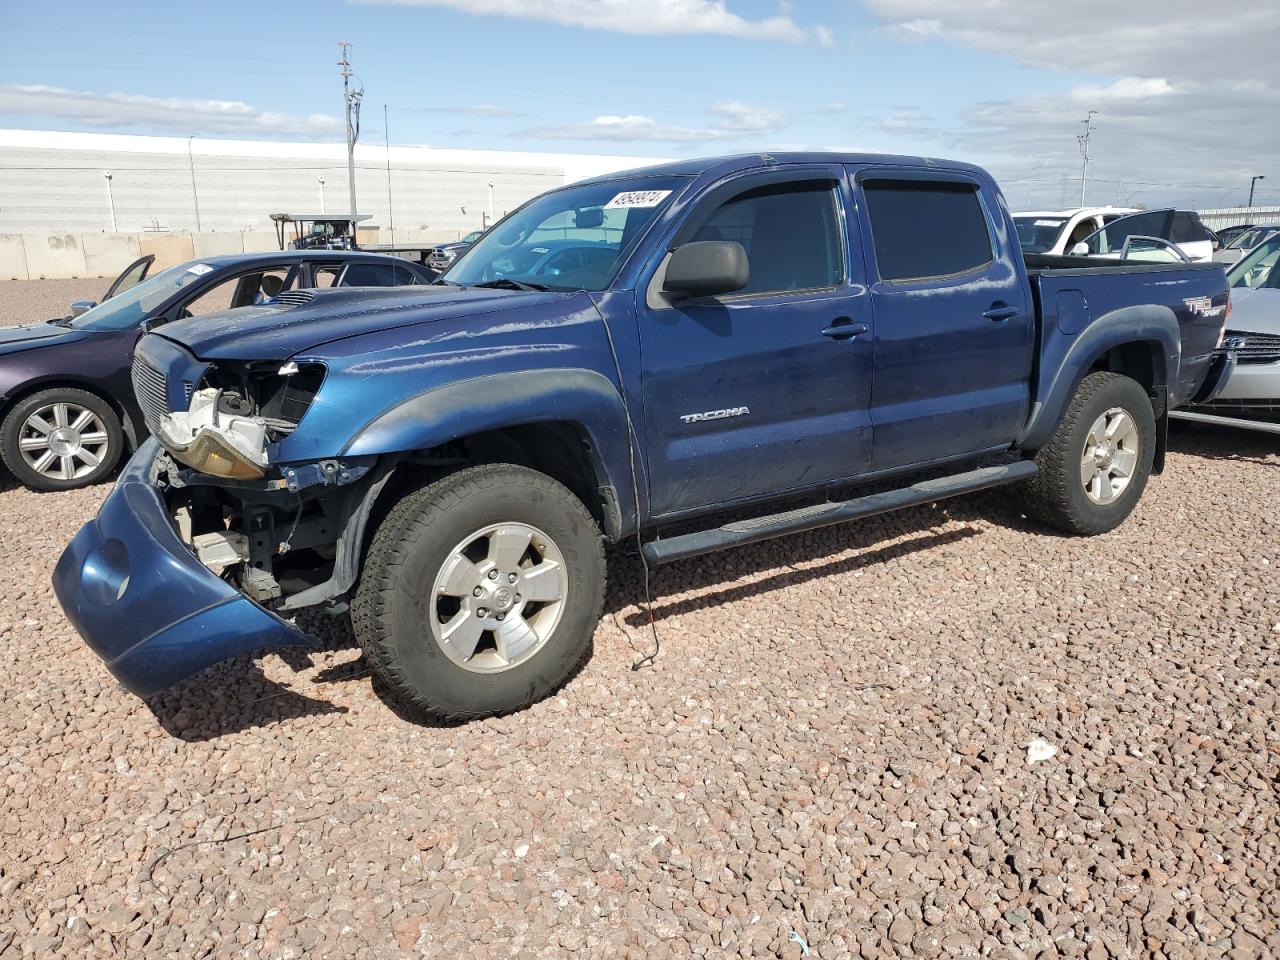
(301, 320)
(1255, 311)
(15, 339)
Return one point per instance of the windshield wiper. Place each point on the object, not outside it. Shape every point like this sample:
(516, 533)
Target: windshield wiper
(61, 322)
(442, 282)
(506, 283)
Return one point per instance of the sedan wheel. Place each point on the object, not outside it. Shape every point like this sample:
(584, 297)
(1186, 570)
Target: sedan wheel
(64, 441)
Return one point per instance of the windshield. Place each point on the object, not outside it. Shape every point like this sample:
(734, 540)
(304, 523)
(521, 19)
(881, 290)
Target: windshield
(1111, 238)
(130, 308)
(1258, 267)
(1038, 234)
(473, 236)
(570, 239)
(1251, 238)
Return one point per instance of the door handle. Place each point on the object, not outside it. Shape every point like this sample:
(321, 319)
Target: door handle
(843, 328)
(1000, 312)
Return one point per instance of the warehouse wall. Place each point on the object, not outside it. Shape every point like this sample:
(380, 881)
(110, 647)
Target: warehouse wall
(55, 183)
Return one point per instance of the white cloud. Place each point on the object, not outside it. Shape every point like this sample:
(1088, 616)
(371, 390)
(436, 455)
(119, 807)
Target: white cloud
(135, 112)
(640, 17)
(733, 120)
(1185, 101)
(632, 127)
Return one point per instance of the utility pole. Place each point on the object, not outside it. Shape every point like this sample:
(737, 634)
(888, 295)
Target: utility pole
(351, 101)
(1083, 141)
(1253, 183)
(191, 164)
(320, 180)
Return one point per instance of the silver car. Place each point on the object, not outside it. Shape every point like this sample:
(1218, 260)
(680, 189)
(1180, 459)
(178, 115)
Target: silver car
(1251, 397)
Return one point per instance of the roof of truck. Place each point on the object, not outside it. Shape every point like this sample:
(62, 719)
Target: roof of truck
(728, 164)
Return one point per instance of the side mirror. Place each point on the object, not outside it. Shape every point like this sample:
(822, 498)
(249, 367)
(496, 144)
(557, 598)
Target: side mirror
(707, 268)
(1081, 249)
(82, 306)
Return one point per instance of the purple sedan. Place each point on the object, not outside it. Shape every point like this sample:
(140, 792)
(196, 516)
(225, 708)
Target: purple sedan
(67, 410)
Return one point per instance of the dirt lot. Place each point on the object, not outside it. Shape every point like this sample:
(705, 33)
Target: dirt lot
(838, 745)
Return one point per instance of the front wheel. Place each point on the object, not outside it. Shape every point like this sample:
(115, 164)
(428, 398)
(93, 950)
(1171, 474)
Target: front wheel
(1095, 467)
(481, 592)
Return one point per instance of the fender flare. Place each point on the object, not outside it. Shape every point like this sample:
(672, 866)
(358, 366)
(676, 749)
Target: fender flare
(582, 397)
(1148, 323)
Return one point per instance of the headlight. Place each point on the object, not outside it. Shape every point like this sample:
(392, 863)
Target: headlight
(236, 412)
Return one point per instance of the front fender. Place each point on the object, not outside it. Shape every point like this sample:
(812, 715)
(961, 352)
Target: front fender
(467, 407)
(1153, 325)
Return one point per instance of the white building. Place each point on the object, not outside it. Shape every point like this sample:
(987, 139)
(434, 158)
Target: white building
(54, 183)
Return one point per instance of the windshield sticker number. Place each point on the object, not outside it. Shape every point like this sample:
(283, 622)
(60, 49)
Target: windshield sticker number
(1046, 223)
(637, 198)
(200, 269)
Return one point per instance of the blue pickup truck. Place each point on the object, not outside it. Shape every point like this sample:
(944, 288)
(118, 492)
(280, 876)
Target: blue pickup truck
(640, 355)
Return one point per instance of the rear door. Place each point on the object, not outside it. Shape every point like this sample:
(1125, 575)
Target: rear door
(1192, 236)
(764, 390)
(954, 322)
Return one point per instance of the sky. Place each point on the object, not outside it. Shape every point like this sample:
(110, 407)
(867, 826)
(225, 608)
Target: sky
(1186, 97)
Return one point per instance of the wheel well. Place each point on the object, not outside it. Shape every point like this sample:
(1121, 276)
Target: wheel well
(1135, 360)
(126, 424)
(559, 449)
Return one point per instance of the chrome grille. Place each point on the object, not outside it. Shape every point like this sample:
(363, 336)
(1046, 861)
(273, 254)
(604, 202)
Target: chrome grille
(1255, 347)
(152, 391)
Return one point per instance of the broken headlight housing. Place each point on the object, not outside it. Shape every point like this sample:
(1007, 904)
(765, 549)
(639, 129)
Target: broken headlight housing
(236, 412)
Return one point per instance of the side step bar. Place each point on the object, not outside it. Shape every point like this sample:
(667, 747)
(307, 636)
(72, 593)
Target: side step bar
(824, 514)
(1260, 425)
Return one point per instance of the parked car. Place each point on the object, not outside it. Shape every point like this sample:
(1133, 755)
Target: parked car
(67, 407)
(441, 258)
(1251, 396)
(1228, 234)
(452, 460)
(1055, 232)
(1179, 230)
(1246, 241)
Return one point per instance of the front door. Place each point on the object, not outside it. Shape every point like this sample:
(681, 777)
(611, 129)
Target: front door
(954, 325)
(764, 390)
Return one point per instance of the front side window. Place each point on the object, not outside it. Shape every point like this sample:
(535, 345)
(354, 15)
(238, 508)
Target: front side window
(570, 239)
(926, 228)
(791, 233)
(1259, 267)
(1038, 234)
(130, 308)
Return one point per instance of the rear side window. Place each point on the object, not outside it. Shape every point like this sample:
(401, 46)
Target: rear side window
(1187, 228)
(791, 233)
(926, 228)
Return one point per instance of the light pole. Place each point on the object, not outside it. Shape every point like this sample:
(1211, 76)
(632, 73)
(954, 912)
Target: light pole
(1083, 141)
(320, 180)
(111, 201)
(1253, 183)
(191, 164)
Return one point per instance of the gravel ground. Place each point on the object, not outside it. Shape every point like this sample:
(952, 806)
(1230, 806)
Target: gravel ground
(943, 732)
(34, 301)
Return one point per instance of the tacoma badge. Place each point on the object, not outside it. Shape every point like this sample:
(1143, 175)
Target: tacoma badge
(715, 414)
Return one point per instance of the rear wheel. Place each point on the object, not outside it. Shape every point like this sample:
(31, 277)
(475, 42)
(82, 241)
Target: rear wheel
(481, 592)
(1095, 467)
(61, 438)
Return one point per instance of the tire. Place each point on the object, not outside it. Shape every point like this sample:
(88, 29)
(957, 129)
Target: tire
(1058, 494)
(81, 433)
(428, 589)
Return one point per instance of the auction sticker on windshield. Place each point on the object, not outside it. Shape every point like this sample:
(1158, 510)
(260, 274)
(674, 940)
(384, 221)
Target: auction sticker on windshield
(200, 269)
(638, 198)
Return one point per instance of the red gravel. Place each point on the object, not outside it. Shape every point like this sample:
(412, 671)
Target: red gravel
(833, 742)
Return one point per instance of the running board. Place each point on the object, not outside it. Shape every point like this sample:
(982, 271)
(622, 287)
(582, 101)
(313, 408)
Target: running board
(824, 514)
(1212, 418)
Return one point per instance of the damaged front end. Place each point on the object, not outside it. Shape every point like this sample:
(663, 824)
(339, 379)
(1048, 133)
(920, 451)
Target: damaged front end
(287, 535)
